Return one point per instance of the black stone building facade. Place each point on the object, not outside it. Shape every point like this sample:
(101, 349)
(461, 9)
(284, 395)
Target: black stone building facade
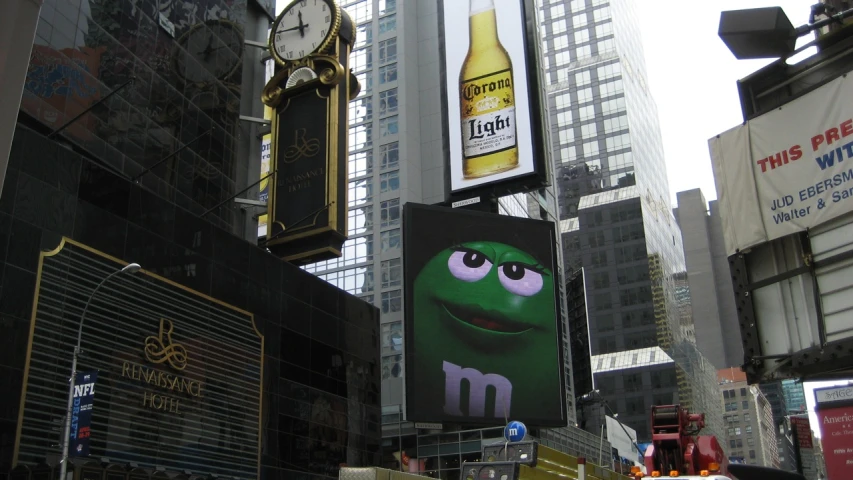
(280, 368)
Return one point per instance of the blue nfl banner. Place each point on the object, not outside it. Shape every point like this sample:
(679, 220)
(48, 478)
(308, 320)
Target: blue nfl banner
(81, 413)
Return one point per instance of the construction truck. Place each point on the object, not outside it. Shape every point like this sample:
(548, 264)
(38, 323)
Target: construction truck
(677, 449)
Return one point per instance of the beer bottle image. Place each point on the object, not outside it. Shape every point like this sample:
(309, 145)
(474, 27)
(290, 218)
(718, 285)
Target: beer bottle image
(487, 99)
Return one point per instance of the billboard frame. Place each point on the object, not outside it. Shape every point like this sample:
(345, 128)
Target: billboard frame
(537, 104)
(408, 324)
(802, 340)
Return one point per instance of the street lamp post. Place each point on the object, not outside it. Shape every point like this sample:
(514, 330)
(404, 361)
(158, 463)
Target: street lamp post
(63, 468)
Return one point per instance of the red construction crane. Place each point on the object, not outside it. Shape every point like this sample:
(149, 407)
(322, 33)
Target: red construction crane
(677, 447)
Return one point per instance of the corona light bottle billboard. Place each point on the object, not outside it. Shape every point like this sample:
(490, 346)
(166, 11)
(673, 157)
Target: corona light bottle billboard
(487, 98)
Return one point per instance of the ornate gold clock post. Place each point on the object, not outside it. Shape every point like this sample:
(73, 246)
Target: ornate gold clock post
(311, 42)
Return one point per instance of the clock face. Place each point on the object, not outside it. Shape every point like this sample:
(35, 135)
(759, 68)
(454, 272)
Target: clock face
(304, 27)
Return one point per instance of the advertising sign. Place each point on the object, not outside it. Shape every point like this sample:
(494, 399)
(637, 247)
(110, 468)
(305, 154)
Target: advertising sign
(803, 431)
(81, 413)
(788, 170)
(264, 196)
(483, 331)
(492, 98)
(834, 406)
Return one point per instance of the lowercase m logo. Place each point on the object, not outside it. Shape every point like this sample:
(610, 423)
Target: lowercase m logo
(161, 349)
(479, 383)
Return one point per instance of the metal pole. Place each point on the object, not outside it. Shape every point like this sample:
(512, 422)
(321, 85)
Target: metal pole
(63, 467)
(601, 445)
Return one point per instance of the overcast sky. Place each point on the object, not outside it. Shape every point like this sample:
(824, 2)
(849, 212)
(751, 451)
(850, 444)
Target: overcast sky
(692, 76)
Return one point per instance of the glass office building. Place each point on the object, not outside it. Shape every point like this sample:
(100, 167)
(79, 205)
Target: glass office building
(615, 215)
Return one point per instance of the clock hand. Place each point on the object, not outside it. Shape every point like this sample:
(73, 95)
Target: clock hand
(301, 25)
(291, 29)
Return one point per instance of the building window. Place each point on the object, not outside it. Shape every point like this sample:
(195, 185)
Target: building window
(604, 29)
(618, 142)
(635, 405)
(360, 192)
(387, 24)
(749, 429)
(745, 405)
(388, 51)
(389, 182)
(632, 382)
(365, 79)
(392, 367)
(361, 59)
(360, 110)
(737, 429)
(752, 454)
(604, 323)
(732, 434)
(355, 281)
(392, 273)
(389, 155)
(387, 6)
(601, 14)
(355, 250)
(391, 301)
(388, 126)
(567, 135)
(588, 131)
(750, 442)
(390, 212)
(601, 280)
(390, 239)
(360, 220)
(360, 11)
(746, 417)
(743, 392)
(364, 37)
(361, 136)
(387, 74)
(392, 338)
(609, 89)
(360, 164)
(388, 102)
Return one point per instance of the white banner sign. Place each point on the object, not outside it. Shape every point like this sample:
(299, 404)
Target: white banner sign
(788, 170)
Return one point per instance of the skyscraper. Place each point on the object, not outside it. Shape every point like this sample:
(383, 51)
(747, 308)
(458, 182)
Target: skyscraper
(708, 274)
(615, 217)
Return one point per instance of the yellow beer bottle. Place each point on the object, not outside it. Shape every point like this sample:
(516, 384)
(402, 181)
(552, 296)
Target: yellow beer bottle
(487, 99)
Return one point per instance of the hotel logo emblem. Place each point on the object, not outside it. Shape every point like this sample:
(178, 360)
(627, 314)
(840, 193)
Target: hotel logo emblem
(161, 349)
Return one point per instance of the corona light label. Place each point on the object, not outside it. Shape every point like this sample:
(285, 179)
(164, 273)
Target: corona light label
(487, 98)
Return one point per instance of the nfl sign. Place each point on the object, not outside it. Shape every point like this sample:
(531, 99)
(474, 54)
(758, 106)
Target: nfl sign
(81, 413)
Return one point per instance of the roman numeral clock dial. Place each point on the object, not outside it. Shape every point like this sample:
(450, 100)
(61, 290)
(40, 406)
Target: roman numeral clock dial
(304, 27)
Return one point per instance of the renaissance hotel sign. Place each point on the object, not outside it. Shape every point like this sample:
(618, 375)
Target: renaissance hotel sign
(179, 373)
